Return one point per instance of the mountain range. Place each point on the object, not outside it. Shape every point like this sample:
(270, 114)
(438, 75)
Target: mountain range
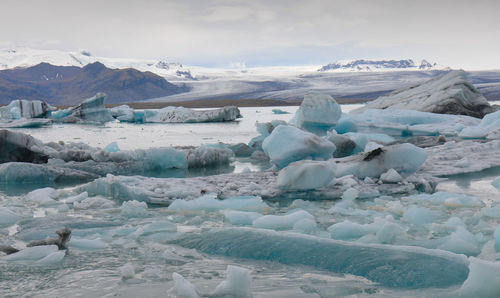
(381, 65)
(73, 76)
(68, 85)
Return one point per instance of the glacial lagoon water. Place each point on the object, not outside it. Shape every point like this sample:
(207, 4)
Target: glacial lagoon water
(107, 236)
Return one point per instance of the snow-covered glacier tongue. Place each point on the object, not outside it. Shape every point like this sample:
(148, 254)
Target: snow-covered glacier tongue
(324, 204)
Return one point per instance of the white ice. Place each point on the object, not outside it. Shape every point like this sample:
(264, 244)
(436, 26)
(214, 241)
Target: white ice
(210, 202)
(306, 174)
(238, 283)
(183, 288)
(281, 222)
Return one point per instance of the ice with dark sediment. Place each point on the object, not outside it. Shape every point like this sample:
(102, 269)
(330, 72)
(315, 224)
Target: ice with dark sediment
(91, 110)
(21, 108)
(449, 93)
(175, 115)
(28, 159)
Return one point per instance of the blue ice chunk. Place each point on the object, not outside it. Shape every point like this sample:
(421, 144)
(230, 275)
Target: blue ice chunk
(112, 147)
(317, 112)
(89, 110)
(417, 215)
(391, 266)
(287, 144)
(395, 122)
(279, 111)
(344, 125)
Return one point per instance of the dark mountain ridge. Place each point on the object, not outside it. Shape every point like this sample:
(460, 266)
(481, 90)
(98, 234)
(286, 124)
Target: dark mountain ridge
(68, 85)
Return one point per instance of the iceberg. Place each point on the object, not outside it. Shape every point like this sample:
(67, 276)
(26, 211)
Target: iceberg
(449, 93)
(24, 123)
(317, 112)
(18, 109)
(19, 147)
(19, 172)
(287, 144)
(306, 174)
(390, 266)
(402, 158)
(406, 123)
(91, 110)
(176, 115)
(447, 159)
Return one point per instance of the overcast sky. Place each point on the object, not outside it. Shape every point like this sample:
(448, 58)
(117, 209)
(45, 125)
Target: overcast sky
(457, 33)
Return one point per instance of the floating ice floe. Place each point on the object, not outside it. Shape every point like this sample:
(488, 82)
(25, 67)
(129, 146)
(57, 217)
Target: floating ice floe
(176, 115)
(90, 110)
(449, 93)
(87, 244)
(263, 184)
(20, 172)
(31, 254)
(406, 123)
(449, 158)
(287, 144)
(390, 266)
(32, 158)
(24, 123)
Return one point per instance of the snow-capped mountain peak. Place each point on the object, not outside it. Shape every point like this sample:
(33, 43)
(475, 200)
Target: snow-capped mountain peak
(379, 65)
(26, 57)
